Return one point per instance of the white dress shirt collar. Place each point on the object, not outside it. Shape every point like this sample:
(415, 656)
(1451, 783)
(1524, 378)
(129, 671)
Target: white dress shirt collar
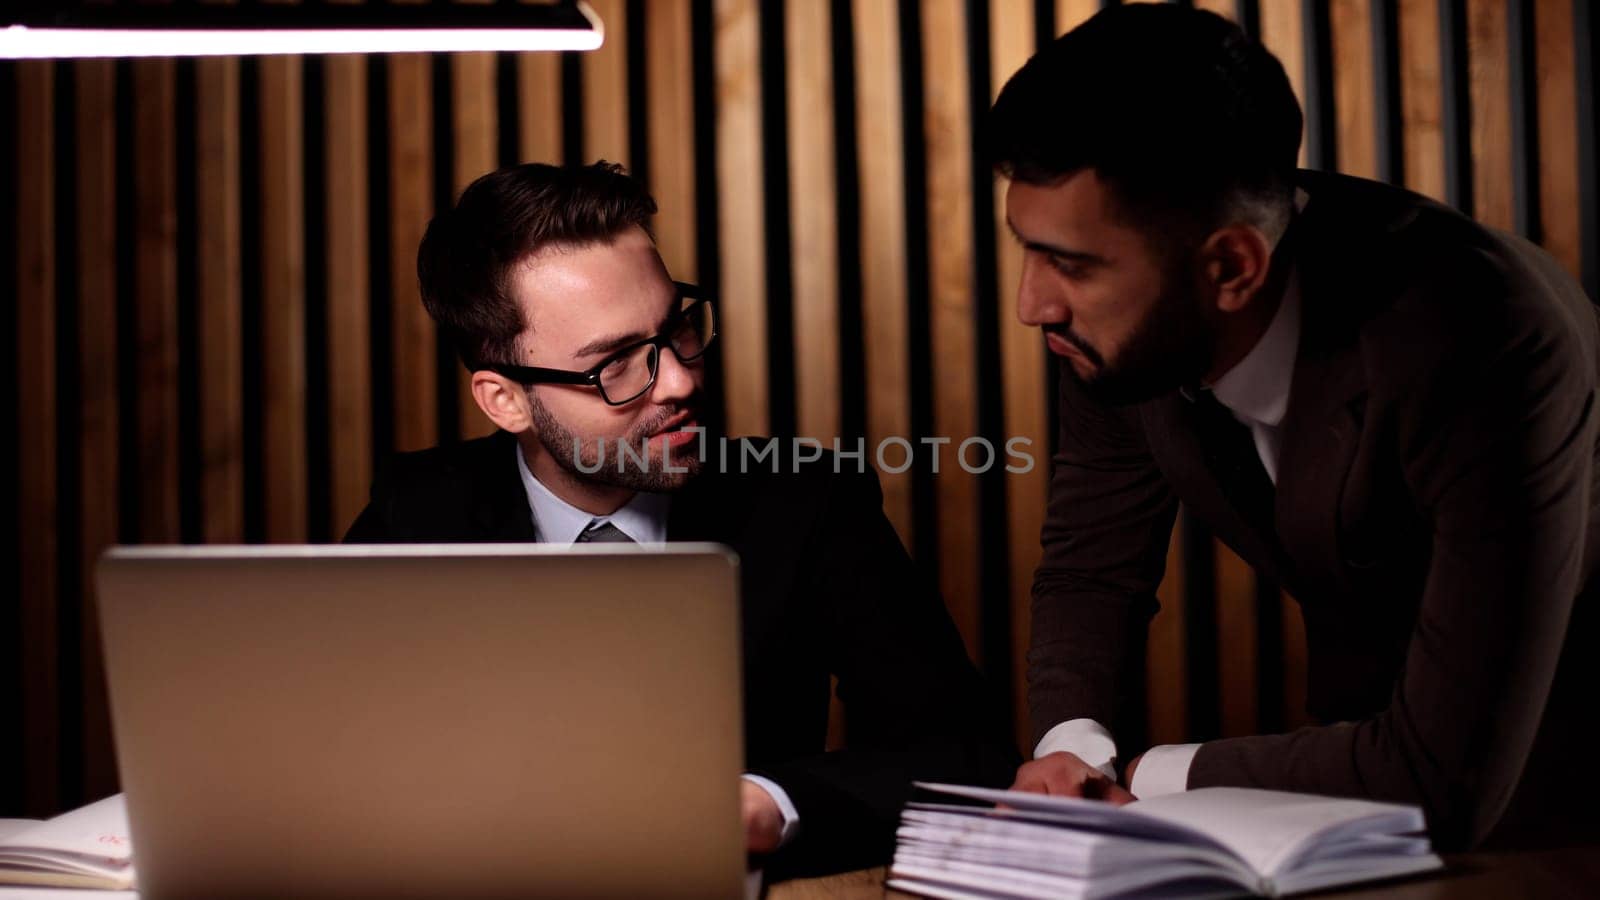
(555, 521)
(1256, 389)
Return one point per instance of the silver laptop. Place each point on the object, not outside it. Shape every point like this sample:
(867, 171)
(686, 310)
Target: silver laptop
(428, 721)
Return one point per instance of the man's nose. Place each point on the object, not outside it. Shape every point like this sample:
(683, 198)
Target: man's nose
(674, 379)
(1037, 303)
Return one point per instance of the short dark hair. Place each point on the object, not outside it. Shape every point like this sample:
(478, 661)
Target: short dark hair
(1191, 122)
(469, 252)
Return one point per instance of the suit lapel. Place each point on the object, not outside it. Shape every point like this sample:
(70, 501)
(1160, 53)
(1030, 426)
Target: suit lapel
(499, 502)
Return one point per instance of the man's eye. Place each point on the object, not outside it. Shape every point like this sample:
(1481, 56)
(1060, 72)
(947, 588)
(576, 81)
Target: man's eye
(620, 364)
(1065, 267)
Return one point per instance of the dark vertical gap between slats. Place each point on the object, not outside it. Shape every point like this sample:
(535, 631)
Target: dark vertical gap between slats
(919, 331)
(774, 62)
(1044, 26)
(508, 115)
(1202, 680)
(69, 447)
(1271, 717)
(318, 407)
(1322, 120)
(252, 354)
(1387, 108)
(190, 459)
(1586, 37)
(127, 361)
(708, 231)
(1248, 15)
(638, 75)
(1455, 84)
(11, 770)
(847, 176)
(572, 150)
(994, 557)
(1522, 45)
(380, 322)
(447, 397)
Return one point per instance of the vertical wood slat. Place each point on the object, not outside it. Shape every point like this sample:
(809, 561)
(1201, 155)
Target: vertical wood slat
(349, 288)
(1282, 32)
(472, 82)
(883, 251)
(1489, 64)
(671, 134)
(97, 378)
(1023, 381)
(813, 227)
(605, 88)
(411, 205)
(219, 310)
(1420, 98)
(1072, 13)
(1167, 659)
(1558, 134)
(539, 107)
(1353, 86)
(946, 130)
(743, 276)
(283, 299)
(156, 292)
(1236, 631)
(35, 380)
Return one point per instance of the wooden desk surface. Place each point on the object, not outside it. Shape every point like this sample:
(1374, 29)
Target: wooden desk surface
(1569, 872)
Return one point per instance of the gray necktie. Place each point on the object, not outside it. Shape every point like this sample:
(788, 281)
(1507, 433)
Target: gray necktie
(604, 533)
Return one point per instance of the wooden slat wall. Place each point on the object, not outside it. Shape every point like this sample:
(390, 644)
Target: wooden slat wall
(163, 213)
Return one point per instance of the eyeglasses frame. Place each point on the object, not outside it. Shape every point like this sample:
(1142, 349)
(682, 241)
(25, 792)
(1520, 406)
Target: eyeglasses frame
(531, 375)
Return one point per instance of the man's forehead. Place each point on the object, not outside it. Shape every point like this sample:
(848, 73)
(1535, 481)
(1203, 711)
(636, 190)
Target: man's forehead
(570, 295)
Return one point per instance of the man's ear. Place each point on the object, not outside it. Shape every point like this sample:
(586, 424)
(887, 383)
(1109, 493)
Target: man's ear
(504, 401)
(1235, 260)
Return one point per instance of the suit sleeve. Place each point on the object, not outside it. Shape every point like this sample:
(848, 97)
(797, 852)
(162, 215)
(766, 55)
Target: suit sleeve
(916, 708)
(373, 524)
(1496, 445)
(1105, 544)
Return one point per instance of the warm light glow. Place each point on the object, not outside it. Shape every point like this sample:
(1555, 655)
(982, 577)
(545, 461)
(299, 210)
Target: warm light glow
(18, 42)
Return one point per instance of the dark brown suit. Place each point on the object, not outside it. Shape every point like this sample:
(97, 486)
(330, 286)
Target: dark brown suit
(1433, 517)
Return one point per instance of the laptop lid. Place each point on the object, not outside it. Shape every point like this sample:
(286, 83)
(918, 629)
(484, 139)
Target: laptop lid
(463, 720)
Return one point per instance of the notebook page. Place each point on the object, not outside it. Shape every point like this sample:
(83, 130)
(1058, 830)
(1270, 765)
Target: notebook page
(1092, 815)
(1271, 829)
(99, 830)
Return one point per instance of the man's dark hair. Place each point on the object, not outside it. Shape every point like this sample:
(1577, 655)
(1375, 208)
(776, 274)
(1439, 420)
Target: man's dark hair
(469, 253)
(1192, 123)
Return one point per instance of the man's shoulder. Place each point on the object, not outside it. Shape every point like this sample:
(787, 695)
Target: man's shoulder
(798, 473)
(1418, 284)
(453, 460)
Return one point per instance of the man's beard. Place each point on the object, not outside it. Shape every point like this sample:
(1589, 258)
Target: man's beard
(603, 461)
(1170, 348)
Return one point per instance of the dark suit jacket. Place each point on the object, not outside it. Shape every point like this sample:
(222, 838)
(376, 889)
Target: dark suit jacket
(1434, 517)
(827, 589)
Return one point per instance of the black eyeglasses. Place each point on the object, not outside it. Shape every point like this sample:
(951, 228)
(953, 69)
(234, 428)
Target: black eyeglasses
(627, 374)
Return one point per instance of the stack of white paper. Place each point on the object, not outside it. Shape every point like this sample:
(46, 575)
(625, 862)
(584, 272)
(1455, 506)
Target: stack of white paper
(84, 848)
(1210, 842)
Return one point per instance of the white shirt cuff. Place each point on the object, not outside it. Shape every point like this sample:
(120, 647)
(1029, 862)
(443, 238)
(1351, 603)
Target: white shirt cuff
(1163, 769)
(1084, 738)
(791, 816)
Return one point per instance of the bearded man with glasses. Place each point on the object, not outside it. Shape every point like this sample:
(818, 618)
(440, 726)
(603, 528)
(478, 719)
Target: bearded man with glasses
(591, 361)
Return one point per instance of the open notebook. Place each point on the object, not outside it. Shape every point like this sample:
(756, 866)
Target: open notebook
(1206, 842)
(85, 848)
